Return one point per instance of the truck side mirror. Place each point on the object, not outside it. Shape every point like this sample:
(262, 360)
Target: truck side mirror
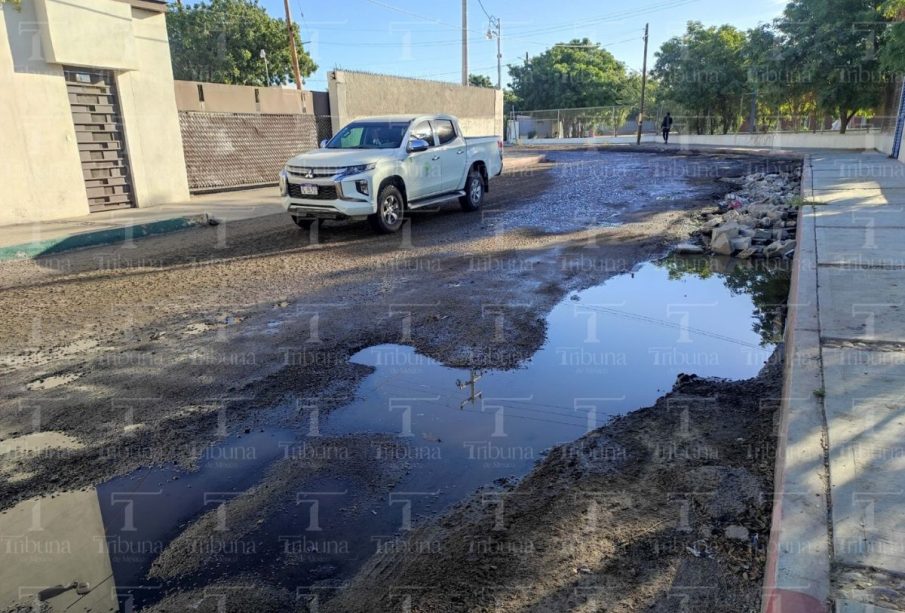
(324, 144)
(417, 144)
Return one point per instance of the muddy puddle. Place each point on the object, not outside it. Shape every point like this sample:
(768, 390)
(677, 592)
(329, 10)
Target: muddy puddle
(418, 438)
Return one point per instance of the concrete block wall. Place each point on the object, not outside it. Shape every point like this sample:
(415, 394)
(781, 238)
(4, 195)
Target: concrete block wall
(219, 98)
(359, 94)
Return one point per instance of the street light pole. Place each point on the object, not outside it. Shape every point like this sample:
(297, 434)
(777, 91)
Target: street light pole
(266, 67)
(465, 43)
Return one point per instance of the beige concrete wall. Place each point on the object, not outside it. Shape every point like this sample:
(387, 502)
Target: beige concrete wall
(219, 98)
(787, 140)
(87, 33)
(40, 172)
(357, 94)
(40, 169)
(150, 117)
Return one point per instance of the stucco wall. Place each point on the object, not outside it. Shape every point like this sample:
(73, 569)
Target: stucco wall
(40, 169)
(40, 172)
(357, 94)
(150, 117)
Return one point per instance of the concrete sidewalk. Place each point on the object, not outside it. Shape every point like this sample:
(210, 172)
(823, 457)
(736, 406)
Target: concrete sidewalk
(838, 537)
(43, 238)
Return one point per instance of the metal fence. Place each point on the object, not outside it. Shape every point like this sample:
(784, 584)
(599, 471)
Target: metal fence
(770, 124)
(621, 121)
(577, 123)
(324, 124)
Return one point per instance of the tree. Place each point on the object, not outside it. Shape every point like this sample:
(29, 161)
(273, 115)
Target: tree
(704, 71)
(479, 80)
(892, 53)
(221, 41)
(776, 75)
(574, 75)
(838, 43)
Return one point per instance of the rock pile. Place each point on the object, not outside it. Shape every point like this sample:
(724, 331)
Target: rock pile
(757, 220)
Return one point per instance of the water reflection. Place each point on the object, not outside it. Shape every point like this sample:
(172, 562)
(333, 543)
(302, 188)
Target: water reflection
(765, 281)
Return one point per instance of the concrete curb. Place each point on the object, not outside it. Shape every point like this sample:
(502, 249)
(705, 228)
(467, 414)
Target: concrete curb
(797, 577)
(95, 238)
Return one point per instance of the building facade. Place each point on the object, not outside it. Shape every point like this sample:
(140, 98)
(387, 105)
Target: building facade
(88, 116)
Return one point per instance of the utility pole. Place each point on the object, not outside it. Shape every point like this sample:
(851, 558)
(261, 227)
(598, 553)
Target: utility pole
(495, 23)
(754, 111)
(465, 43)
(292, 50)
(499, 54)
(470, 384)
(643, 83)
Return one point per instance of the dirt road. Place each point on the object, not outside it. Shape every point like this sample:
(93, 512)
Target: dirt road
(140, 355)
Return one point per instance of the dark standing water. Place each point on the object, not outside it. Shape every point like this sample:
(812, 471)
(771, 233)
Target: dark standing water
(609, 350)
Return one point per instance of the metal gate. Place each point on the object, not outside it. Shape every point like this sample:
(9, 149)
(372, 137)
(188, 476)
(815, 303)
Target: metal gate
(99, 133)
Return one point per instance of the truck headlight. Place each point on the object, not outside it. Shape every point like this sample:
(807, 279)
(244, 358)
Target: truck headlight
(284, 180)
(360, 168)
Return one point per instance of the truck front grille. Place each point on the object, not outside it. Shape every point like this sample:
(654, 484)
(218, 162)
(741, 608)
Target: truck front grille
(324, 192)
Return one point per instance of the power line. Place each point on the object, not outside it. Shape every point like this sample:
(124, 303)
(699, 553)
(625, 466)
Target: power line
(655, 8)
(485, 10)
(390, 7)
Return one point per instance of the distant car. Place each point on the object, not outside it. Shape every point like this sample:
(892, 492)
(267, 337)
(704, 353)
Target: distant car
(381, 167)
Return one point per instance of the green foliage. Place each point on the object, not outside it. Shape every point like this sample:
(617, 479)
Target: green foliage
(704, 71)
(511, 102)
(892, 51)
(15, 3)
(836, 44)
(479, 80)
(575, 75)
(220, 42)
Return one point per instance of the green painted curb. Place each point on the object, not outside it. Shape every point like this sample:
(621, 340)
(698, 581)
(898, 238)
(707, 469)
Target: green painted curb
(99, 237)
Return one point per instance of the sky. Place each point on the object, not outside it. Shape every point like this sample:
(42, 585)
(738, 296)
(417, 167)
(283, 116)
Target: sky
(422, 38)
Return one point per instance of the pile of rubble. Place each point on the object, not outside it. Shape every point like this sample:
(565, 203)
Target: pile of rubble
(758, 220)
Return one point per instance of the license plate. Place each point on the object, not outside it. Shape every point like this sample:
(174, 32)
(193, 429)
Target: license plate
(308, 189)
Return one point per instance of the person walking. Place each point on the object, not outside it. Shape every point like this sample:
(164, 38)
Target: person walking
(667, 126)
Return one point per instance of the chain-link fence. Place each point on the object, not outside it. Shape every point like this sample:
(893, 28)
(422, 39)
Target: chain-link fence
(621, 121)
(324, 125)
(768, 124)
(587, 122)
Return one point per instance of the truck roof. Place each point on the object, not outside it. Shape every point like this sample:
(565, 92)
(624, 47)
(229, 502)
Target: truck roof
(406, 117)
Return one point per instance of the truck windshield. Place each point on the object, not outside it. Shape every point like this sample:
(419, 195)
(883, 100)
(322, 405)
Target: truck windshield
(370, 135)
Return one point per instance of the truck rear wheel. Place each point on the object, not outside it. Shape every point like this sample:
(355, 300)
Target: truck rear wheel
(474, 191)
(390, 207)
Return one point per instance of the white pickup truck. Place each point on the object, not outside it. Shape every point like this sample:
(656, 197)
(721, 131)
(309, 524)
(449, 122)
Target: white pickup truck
(381, 167)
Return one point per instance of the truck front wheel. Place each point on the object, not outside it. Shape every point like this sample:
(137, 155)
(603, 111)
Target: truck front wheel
(474, 191)
(390, 206)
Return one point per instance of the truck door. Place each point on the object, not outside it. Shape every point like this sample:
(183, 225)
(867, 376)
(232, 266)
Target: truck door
(423, 167)
(453, 157)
